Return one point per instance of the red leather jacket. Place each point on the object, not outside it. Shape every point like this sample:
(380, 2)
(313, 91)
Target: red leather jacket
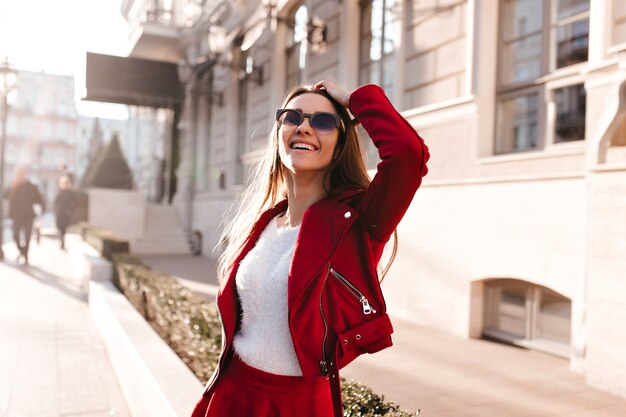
(333, 282)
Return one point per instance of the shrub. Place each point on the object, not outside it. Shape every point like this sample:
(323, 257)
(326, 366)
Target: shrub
(109, 168)
(187, 322)
(191, 326)
(104, 241)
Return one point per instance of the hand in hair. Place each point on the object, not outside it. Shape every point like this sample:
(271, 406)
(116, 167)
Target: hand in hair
(336, 91)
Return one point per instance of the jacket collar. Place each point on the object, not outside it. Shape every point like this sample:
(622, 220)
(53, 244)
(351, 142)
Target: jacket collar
(323, 226)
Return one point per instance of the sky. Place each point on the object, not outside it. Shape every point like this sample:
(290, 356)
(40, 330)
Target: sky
(54, 35)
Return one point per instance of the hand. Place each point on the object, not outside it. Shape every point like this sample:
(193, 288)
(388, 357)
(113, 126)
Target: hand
(336, 91)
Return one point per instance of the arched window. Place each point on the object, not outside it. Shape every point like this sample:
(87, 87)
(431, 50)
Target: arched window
(527, 315)
(297, 47)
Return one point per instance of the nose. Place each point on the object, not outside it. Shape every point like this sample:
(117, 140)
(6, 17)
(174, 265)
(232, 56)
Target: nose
(302, 126)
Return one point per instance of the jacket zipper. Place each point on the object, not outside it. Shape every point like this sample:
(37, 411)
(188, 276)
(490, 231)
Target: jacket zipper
(323, 363)
(367, 308)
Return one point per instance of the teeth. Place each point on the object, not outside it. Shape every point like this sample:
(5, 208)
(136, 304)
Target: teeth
(303, 146)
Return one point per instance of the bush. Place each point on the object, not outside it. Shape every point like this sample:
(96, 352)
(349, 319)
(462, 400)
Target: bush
(109, 169)
(187, 322)
(191, 326)
(104, 241)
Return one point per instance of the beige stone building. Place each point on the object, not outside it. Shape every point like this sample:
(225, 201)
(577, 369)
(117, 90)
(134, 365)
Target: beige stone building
(41, 130)
(519, 231)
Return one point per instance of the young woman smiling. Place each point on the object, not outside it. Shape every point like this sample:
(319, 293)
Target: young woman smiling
(299, 291)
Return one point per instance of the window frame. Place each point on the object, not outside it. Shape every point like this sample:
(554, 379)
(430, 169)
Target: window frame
(243, 94)
(292, 47)
(500, 120)
(550, 80)
(612, 22)
(387, 27)
(555, 23)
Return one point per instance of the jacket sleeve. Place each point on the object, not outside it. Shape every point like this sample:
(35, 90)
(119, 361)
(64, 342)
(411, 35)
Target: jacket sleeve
(403, 157)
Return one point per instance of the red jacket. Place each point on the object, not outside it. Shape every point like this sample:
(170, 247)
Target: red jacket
(333, 284)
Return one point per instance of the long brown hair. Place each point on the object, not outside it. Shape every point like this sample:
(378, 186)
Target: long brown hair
(268, 184)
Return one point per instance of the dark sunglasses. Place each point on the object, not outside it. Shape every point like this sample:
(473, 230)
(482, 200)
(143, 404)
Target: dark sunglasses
(321, 121)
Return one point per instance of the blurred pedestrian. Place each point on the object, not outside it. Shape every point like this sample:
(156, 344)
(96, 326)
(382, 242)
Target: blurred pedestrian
(300, 296)
(64, 205)
(23, 196)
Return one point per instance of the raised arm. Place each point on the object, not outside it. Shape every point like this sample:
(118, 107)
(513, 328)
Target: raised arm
(403, 157)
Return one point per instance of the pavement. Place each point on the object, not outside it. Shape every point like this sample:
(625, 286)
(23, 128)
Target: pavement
(53, 361)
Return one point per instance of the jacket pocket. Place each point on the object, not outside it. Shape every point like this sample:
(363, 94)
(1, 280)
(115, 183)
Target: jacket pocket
(356, 293)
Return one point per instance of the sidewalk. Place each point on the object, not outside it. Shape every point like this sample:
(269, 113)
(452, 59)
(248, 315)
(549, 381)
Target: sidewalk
(448, 376)
(52, 360)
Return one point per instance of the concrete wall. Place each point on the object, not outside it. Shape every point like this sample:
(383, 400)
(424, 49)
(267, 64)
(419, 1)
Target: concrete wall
(606, 359)
(458, 234)
(120, 211)
(210, 214)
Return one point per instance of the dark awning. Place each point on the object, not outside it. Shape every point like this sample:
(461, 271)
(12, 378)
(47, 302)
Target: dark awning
(133, 81)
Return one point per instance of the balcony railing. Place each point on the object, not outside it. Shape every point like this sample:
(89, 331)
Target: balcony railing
(167, 13)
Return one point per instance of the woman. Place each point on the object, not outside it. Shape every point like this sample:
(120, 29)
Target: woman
(299, 295)
(23, 195)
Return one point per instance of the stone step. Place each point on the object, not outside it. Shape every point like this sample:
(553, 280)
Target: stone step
(165, 234)
(160, 247)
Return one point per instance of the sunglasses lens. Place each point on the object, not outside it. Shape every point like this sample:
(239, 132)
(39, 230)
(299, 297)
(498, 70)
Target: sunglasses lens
(323, 121)
(291, 118)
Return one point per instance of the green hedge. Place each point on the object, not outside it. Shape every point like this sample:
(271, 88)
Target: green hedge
(104, 241)
(191, 326)
(187, 322)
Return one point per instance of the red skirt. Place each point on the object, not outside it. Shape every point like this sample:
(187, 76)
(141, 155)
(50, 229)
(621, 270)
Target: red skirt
(244, 391)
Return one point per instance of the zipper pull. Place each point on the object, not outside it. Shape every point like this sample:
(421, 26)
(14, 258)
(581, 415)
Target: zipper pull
(367, 308)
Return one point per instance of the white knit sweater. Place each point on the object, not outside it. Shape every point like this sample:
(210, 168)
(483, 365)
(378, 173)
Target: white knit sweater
(264, 340)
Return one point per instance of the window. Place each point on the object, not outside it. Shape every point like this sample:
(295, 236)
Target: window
(538, 38)
(377, 45)
(47, 131)
(572, 32)
(61, 132)
(242, 119)
(297, 48)
(522, 56)
(521, 126)
(527, 315)
(376, 58)
(570, 113)
(12, 125)
(619, 22)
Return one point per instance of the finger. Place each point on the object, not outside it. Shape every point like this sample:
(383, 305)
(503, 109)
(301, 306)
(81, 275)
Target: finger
(320, 85)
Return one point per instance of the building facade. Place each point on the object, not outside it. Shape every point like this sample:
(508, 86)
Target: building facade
(41, 130)
(519, 230)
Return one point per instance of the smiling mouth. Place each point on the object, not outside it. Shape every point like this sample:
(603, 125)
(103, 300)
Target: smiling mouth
(303, 146)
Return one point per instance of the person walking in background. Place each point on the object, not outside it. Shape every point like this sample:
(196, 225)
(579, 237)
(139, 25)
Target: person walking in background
(23, 196)
(64, 205)
(299, 286)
